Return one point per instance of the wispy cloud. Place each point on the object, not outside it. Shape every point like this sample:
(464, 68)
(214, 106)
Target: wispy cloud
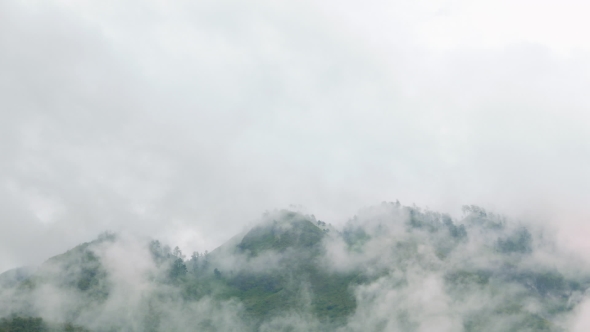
(191, 118)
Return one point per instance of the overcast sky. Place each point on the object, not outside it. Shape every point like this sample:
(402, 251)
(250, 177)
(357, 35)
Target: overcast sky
(186, 120)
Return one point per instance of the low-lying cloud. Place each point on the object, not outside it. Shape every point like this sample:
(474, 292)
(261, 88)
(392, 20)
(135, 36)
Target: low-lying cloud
(186, 120)
(402, 269)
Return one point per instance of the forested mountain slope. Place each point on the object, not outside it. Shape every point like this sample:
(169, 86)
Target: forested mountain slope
(390, 268)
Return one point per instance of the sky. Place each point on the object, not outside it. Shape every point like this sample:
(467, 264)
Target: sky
(186, 120)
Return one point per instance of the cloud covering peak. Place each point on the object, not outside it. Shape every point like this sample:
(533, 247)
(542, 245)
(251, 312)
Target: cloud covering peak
(186, 120)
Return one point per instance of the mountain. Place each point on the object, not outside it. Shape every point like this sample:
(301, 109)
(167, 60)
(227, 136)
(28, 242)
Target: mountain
(390, 268)
(14, 277)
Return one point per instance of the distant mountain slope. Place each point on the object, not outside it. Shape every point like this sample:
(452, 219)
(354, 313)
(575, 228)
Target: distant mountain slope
(390, 268)
(298, 240)
(14, 277)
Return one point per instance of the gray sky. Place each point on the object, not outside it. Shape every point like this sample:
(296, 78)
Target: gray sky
(186, 120)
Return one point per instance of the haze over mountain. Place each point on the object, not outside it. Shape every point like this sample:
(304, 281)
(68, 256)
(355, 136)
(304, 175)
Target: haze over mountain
(182, 121)
(390, 268)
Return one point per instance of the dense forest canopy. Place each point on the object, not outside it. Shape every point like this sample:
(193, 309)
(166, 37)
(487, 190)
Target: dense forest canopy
(389, 268)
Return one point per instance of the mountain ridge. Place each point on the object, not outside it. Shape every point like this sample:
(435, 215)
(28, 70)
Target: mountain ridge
(292, 265)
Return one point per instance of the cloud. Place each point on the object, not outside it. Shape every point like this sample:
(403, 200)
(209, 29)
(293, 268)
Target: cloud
(405, 268)
(193, 118)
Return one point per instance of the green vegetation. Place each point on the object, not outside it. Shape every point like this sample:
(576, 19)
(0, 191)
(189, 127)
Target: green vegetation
(518, 242)
(291, 265)
(22, 324)
(292, 232)
(268, 293)
(35, 324)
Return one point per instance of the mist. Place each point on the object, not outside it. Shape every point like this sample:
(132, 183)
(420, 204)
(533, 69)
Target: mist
(186, 121)
(389, 268)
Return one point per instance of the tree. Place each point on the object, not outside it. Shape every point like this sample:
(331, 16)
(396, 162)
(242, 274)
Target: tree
(178, 269)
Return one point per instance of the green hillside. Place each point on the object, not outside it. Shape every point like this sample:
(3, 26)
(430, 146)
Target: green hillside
(389, 268)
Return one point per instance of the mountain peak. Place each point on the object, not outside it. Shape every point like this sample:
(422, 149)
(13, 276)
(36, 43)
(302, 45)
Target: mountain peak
(285, 230)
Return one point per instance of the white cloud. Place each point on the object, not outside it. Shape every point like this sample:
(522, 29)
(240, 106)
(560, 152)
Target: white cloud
(190, 119)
